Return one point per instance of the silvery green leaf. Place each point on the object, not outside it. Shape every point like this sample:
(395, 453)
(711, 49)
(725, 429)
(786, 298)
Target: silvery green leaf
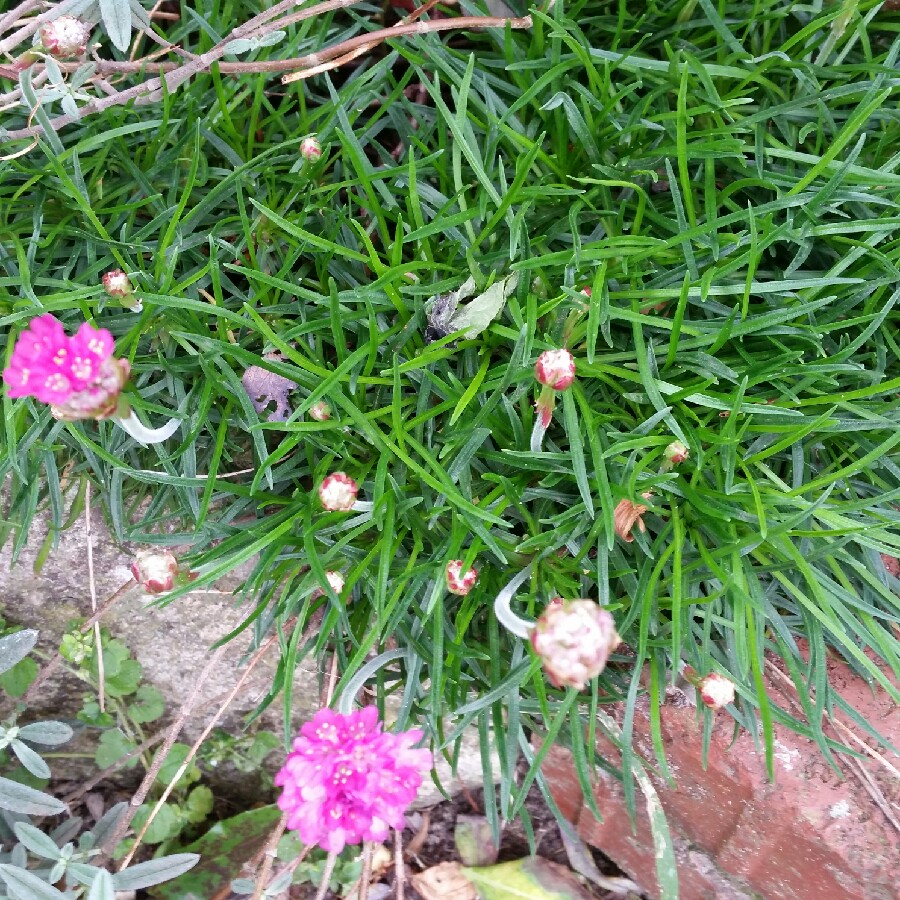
(36, 841)
(22, 799)
(270, 40)
(116, 16)
(54, 72)
(51, 733)
(476, 315)
(22, 883)
(155, 871)
(81, 9)
(57, 872)
(107, 823)
(70, 107)
(241, 45)
(82, 873)
(103, 887)
(139, 17)
(30, 759)
(81, 75)
(15, 647)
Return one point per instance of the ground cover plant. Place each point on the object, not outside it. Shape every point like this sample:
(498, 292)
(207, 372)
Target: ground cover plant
(698, 200)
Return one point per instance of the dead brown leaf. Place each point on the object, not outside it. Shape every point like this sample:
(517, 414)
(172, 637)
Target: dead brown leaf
(444, 882)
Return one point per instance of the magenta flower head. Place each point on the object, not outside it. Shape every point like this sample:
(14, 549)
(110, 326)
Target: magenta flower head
(574, 639)
(78, 376)
(155, 570)
(716, 691)
(458, 581)
(338, 492)
(555, 368)
(346, 781)
(310, 149)
(64, 37)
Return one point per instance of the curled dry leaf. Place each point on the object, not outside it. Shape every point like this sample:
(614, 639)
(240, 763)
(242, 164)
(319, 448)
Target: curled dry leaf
(444, 882)
(264, 388)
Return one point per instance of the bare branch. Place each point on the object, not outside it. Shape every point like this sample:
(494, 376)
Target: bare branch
(171, 75)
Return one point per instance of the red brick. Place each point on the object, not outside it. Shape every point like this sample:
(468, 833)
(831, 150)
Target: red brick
(810, 834)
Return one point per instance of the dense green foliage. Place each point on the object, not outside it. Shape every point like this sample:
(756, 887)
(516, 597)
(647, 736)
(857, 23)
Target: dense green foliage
(722, 175)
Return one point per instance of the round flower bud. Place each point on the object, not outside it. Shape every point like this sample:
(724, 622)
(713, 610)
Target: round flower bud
(117, 284)
(555, 368)
(155, 570)
(676, 453)
(338, 492)
(716, 691)
(310, 149)
(320, 411)
(459, 582)
(574, 638)
(65, 37)
(335, 581)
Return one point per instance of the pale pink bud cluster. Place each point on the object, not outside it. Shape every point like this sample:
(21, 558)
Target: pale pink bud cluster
(574, 639)
(676, 453)
(155, 570)
(346, 781)
(65, 37)
(335, 581)
(338, 492)
(458, 581)
(555, 368)
(78, 376)
(716, 691)
(310, 149)
(117, 284)
(320, 412)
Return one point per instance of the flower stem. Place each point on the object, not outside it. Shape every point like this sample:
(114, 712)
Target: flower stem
(507, 618)
(543, 417)
(133, 426)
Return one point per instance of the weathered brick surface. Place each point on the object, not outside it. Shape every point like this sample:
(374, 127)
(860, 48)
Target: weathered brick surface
(810, 834)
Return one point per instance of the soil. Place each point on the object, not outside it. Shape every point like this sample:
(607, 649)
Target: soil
(438, 845)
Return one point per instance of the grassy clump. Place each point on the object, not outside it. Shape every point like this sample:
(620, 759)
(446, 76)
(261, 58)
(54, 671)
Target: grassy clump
(723, 176)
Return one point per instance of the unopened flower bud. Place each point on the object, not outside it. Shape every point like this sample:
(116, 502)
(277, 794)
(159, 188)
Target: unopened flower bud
(338, 492)
(676, 453)
(117, 284)
(458, 581)
(335, 581)
(64, 37)
(320, 411)
(574, 639)
(155, 570)
(716, 691)
(310, 149)
(555, 368)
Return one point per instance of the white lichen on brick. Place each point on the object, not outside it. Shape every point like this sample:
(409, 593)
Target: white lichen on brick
(786, 755)
(839, 810)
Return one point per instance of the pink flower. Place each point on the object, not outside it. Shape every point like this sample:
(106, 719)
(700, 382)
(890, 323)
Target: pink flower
(155, 570)
(320, 412)
(676, 453)
(310, 149)
(716, 691)
(338, 492)
(574, 638)
(77, 376)
(117, 284)
(459, 582)
(555, 368)
(347, 781)
(64, 37)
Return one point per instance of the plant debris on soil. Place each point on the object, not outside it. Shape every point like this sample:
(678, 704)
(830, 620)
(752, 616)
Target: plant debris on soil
(428, 840)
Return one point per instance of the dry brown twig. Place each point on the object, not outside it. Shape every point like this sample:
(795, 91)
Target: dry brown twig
(169, 76)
